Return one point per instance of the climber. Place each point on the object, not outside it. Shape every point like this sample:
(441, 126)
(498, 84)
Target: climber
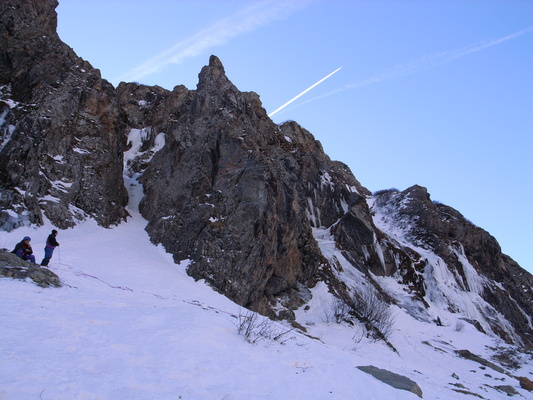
(51, 244)
(23, 250)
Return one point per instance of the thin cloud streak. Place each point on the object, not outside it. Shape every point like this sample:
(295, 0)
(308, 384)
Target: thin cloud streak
(422, 64)
(221, 32)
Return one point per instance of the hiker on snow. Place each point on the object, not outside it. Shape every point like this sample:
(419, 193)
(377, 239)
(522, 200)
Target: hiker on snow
(51, 244)
(24, 250)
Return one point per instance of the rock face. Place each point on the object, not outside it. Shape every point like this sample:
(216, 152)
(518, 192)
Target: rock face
(246, 204)
(427, 242)
(61, 135)
(235, 193)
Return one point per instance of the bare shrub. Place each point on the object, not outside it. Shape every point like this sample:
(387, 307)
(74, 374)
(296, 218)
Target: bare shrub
(358, 337)
(254, 328)
(375, 313)
(246, 324)
(328, 315)
(341, 311)
(338, 312)
(366, 307)
(511, 357)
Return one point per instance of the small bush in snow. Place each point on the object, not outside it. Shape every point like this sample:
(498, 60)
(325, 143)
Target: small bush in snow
(376, 313)
(254, 328)
(246, 324)
(369, 309)
(511, 357)
(358, 337)
(338, 312)
(341, 311)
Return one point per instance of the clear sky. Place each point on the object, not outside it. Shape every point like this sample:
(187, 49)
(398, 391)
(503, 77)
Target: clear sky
(437, 93)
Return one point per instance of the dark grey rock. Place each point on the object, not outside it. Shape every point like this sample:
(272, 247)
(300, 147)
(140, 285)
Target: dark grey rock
(511, 391)
(473, 357)
(14, 267)
(395, 380)
(231, 191)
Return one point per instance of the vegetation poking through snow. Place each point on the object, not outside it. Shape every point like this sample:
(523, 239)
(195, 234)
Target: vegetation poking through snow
(254, 328)
(367, 308)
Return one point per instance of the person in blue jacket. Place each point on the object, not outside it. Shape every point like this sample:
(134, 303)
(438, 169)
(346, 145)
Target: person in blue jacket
(24, 250)
(51, 244)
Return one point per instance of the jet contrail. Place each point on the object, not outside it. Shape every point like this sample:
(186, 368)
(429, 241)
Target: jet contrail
(301, 94)
(427, 62)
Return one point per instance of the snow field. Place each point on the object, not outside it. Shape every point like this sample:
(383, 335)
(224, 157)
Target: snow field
(130, 324)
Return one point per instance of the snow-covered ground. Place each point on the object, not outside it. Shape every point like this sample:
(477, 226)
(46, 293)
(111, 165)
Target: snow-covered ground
(130, 324)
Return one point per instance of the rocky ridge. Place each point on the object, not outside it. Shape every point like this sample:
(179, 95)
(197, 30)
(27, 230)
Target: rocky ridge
(243, 201)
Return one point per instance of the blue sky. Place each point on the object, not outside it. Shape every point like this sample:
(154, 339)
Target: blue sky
(437, 93)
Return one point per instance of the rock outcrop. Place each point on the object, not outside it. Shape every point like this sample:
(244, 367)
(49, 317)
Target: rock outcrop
(14, 267)
(61, 135)
(235, 193)
(245, 203)
(435, 249)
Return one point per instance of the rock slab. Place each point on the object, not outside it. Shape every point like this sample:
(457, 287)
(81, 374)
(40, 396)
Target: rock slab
(390, 378)
(14, 267)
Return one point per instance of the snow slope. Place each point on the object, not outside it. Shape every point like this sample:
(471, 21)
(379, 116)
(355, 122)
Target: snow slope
(130, 324)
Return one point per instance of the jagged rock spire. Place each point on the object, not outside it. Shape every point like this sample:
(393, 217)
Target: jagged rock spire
(213, 78)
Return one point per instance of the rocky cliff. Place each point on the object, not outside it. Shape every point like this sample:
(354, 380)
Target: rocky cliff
(248, 205)
(62, 135)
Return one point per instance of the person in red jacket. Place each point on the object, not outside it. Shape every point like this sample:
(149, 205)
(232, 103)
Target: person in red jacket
(24, 250)
(51, 244)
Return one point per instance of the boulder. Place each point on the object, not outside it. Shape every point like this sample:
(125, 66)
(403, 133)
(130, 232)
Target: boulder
(508, 389)
(395, 380)
(14, 267)
(525, 383)
(467, 354)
